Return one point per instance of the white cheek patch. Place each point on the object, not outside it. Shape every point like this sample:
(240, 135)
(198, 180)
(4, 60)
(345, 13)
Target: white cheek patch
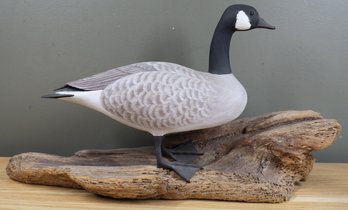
(242, 21)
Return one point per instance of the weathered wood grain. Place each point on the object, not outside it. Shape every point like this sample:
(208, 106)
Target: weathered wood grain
(252, 159)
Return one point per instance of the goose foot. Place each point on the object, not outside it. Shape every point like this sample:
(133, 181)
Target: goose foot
(185, 152)
(184, 170)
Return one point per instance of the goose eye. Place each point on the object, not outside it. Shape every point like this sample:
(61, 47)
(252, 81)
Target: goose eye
(251, 13)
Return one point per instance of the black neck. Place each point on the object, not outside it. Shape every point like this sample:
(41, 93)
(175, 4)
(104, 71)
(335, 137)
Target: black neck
(219, 56)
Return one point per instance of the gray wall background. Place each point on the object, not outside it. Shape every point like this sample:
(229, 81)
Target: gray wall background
(43, 44)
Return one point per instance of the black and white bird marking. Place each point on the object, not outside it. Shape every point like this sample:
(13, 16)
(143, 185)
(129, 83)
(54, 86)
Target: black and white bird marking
(162, 97)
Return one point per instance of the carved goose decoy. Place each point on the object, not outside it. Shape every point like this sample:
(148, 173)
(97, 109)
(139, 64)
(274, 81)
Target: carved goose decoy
(162, 97)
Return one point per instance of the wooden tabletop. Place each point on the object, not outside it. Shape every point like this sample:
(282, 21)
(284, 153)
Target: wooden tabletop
(326, 188)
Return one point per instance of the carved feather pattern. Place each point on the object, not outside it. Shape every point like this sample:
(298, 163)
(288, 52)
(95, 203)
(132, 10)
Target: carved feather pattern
(173, 97)
(101, 80)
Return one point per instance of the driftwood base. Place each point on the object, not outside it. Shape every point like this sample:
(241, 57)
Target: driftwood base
(252, 159)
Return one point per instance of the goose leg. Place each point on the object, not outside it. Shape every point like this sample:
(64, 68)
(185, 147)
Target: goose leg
(184, 170)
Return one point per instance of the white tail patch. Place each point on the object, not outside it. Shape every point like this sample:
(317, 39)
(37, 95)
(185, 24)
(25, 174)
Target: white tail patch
(242, 21)
(90, 99)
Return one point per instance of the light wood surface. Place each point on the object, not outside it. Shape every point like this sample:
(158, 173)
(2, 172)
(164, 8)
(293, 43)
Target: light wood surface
(326, 188)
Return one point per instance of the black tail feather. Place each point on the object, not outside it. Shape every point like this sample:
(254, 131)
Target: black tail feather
(57, 95)
(69, 88)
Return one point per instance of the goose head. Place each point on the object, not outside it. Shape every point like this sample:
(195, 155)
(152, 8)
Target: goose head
(242, 17)
(238, 17)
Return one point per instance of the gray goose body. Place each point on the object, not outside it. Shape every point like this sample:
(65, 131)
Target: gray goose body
(161, 97)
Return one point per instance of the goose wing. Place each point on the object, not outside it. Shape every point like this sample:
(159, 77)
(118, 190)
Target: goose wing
(101, 80)
(162, 100)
